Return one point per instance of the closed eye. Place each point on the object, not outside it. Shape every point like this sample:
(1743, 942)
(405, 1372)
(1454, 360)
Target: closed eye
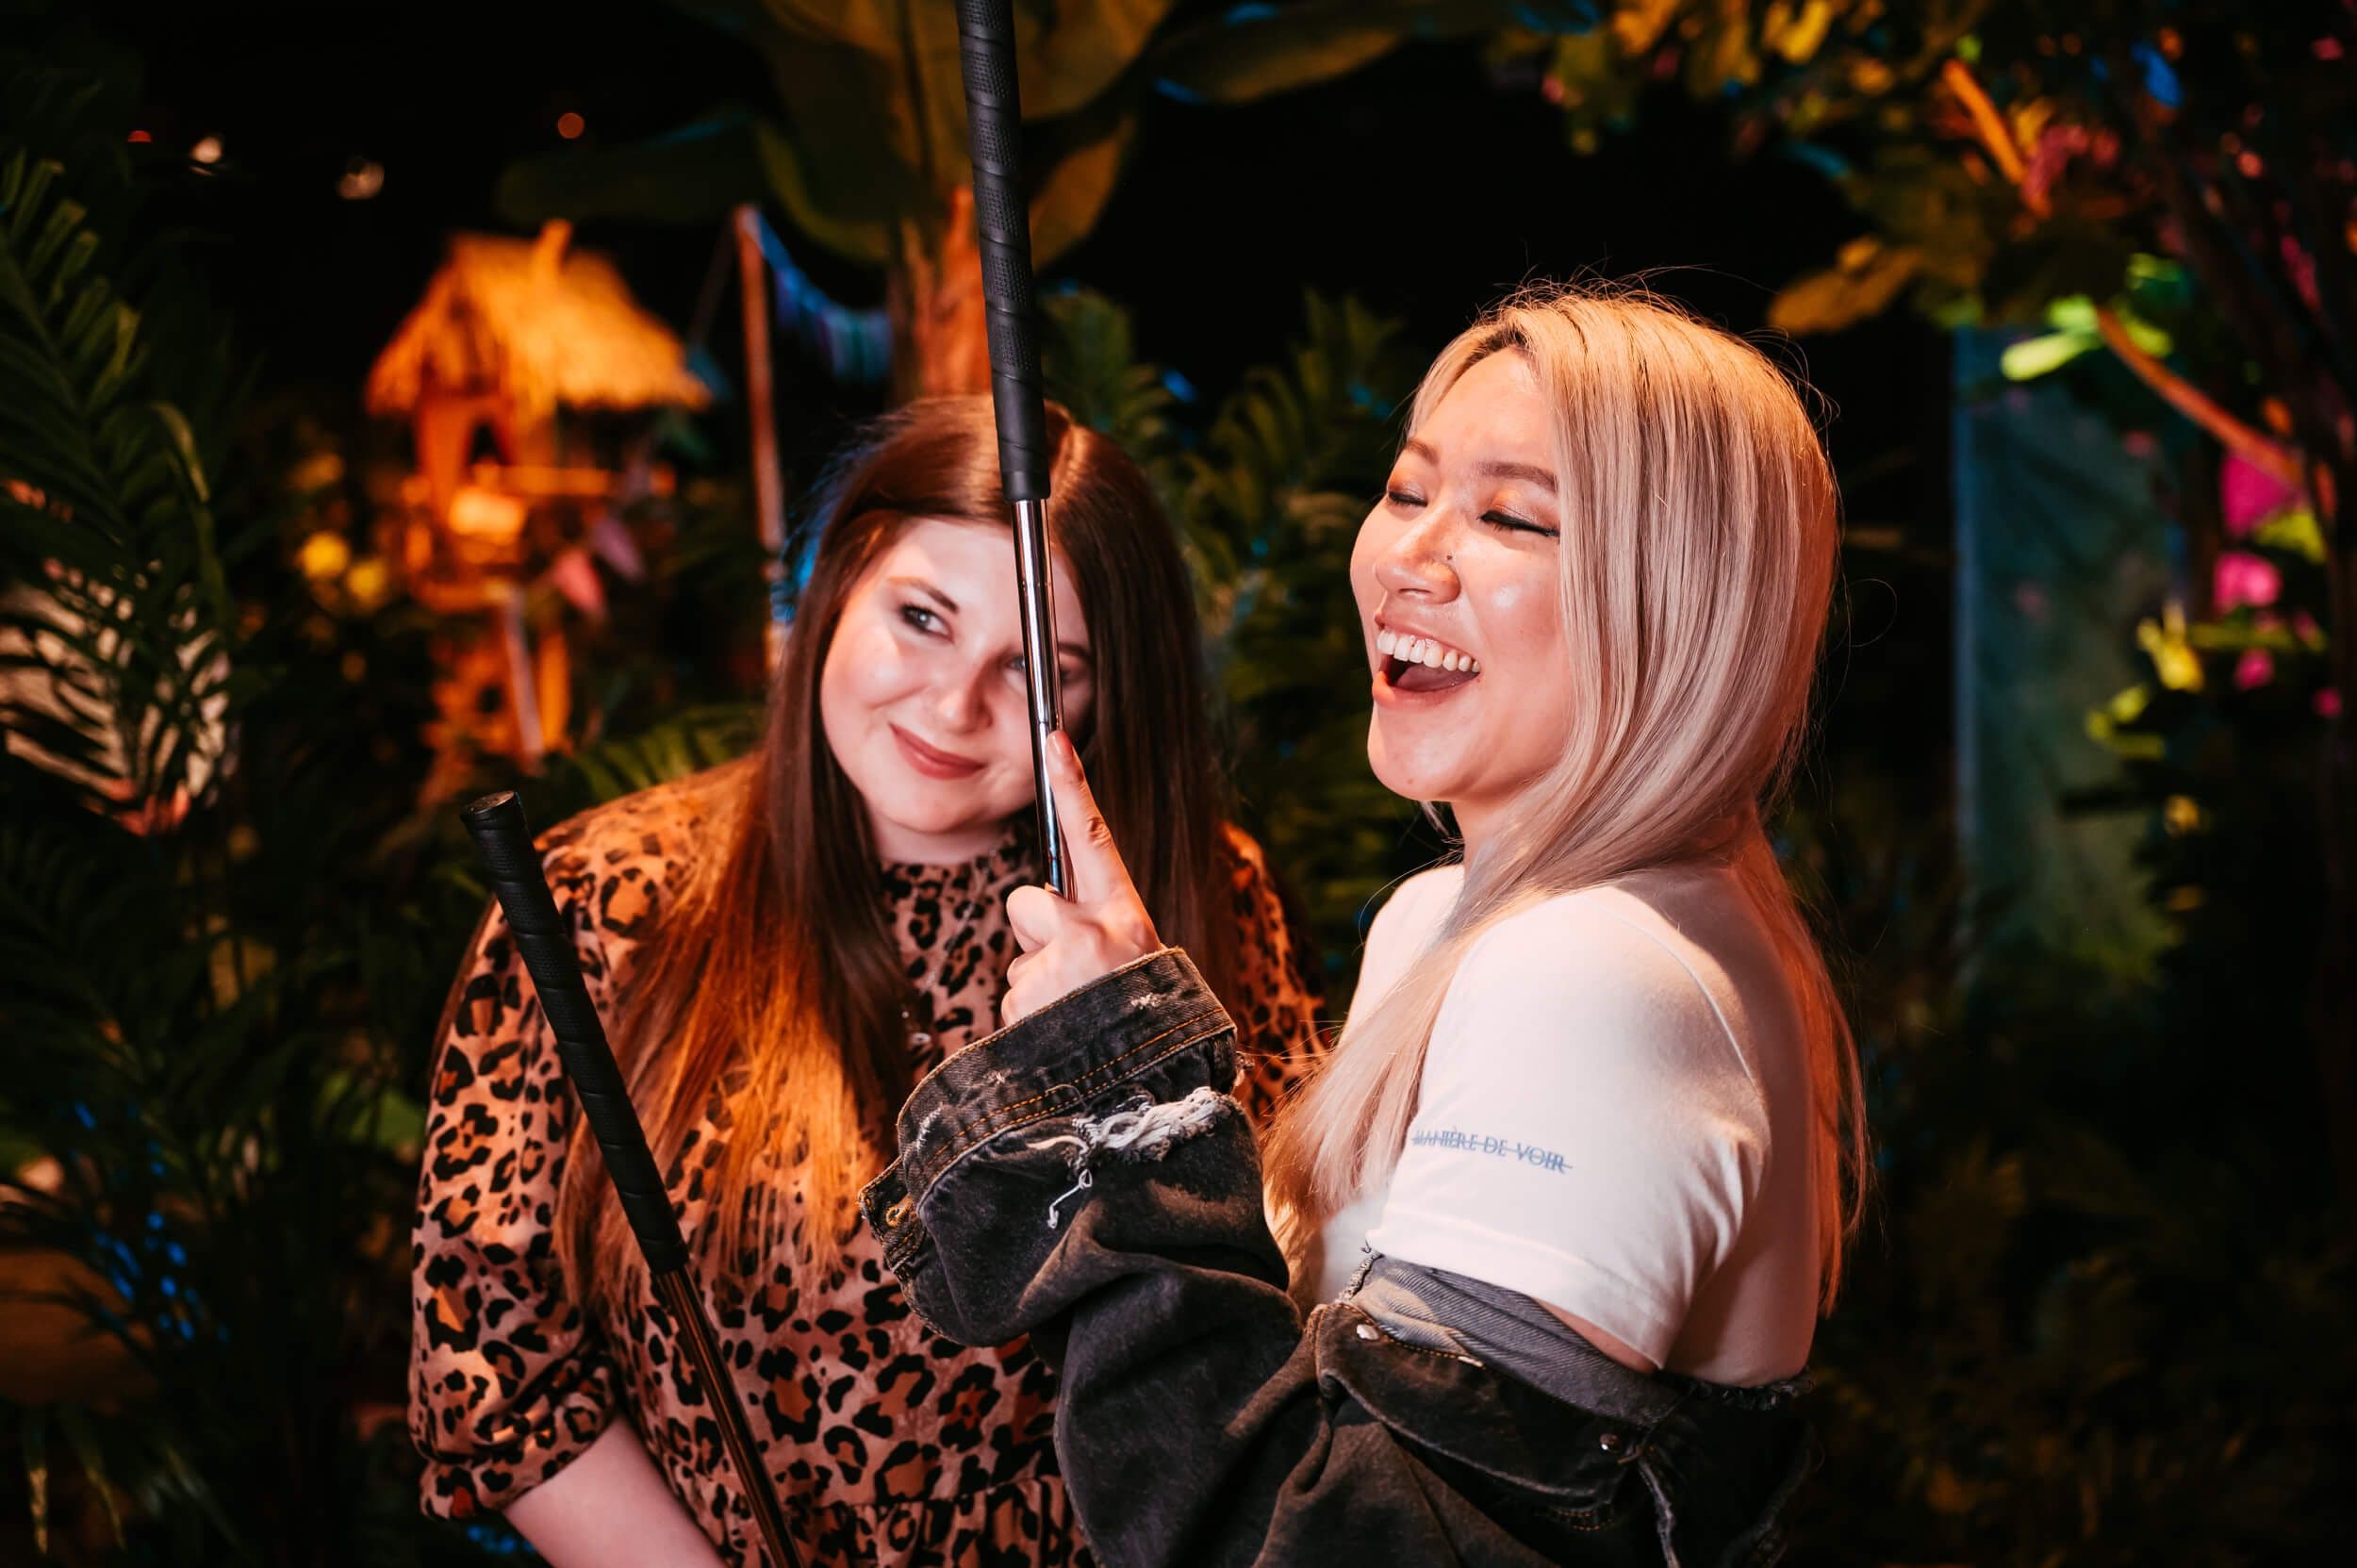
(1402, 498)
(1514, 525)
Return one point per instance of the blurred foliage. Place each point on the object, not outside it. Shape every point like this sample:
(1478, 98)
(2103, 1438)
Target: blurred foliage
(1267, 488)
(2091, 1317)
(2095, 1319)
(209, 938)
(868, 133)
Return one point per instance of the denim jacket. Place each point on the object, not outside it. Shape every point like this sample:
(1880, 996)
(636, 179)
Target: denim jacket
(1082, 1178)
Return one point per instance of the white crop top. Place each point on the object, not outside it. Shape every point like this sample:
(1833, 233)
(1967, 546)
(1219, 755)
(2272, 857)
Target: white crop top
(1614, 1121)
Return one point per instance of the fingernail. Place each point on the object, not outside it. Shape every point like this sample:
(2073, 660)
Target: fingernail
(1064, 752)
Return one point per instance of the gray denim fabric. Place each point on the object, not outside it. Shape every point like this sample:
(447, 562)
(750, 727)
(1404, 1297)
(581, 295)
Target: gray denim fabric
(1516, 1337)
(1083, 1177)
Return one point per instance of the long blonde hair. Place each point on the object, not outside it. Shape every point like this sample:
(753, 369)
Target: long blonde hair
(1697, 565)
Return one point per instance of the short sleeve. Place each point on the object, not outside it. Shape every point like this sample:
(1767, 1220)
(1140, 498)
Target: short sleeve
(507, 1384)
(1276, 1003)
(1402, 929)
(1588, 1134)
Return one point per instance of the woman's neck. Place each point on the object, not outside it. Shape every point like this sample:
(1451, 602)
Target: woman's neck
(896, 845)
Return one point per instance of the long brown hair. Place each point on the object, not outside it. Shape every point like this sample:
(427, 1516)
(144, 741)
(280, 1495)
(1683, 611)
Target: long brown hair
(774, 984)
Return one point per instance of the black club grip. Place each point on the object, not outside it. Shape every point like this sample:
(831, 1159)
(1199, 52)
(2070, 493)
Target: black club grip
(1002, 229)
(503, 839)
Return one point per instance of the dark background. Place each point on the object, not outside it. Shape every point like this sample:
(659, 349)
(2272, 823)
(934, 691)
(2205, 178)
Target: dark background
(2100, 1309)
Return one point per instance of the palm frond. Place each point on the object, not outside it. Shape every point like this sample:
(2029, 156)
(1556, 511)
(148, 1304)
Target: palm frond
(116, 613)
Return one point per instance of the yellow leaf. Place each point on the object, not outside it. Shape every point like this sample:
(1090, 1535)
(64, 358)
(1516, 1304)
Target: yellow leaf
(2294, 529)
(2036, 356)
(1639, 24)
(2173, 658)
(1865, 281)
(1797, 36)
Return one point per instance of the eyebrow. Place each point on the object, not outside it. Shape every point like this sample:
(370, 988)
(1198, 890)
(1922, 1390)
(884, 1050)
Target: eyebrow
(1528, 473)
(920, 585)
(1076, 650)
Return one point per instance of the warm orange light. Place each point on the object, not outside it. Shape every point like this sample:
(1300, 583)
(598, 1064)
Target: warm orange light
(142, 136)
(207, 150)
(569, 124)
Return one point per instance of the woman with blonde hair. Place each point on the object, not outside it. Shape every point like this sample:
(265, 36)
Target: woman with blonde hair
(1572, 1190)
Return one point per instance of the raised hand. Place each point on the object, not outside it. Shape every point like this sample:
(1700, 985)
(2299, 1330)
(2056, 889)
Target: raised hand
(1067, 943)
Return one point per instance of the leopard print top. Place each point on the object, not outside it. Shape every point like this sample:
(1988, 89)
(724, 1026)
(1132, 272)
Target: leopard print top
(886, 1444)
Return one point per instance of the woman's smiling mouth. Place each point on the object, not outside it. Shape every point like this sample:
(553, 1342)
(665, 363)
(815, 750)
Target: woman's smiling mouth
(932, 761)
(1413, 665)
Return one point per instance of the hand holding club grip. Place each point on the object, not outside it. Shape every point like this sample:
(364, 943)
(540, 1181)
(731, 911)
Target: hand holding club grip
(496, 823)
(1002, 226)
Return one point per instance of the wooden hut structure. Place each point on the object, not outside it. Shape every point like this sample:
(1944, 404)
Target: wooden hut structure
(519, 372)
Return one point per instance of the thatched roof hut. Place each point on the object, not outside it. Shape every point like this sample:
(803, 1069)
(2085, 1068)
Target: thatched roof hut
(536, 326)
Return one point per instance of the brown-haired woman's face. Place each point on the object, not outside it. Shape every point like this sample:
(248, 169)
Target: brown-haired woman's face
(921, 694)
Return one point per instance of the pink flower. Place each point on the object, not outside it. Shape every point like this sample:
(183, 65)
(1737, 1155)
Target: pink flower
(577, 580)
(2245, 579)
(2256, 668)
(2250, 495)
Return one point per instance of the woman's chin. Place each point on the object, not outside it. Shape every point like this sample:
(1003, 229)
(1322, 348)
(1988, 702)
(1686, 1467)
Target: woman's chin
(938, 831)
(1412, 778)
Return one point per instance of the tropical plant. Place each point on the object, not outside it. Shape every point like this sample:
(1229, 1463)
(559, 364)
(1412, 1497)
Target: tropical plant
(205, 952)
(866, 146)
(1268, 489)
(2020, 165)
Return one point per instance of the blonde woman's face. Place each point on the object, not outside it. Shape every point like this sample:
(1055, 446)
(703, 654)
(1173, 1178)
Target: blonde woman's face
(1455, 577)
(922, 691)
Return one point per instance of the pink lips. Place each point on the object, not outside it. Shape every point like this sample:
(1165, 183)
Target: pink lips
(932, 761)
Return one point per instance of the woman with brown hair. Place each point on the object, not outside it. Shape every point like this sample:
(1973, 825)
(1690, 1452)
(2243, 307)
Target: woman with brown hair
(782, 947)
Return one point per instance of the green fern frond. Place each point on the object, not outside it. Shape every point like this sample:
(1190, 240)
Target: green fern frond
(1267, 495)
(115, 590)
(688, 742)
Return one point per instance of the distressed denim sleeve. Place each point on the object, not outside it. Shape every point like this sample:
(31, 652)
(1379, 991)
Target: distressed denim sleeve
(1085, 1178)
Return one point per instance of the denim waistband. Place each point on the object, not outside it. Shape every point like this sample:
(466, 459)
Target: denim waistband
(1507, 1332)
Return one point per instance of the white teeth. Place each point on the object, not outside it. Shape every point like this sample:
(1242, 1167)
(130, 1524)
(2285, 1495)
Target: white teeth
(1423, 651)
